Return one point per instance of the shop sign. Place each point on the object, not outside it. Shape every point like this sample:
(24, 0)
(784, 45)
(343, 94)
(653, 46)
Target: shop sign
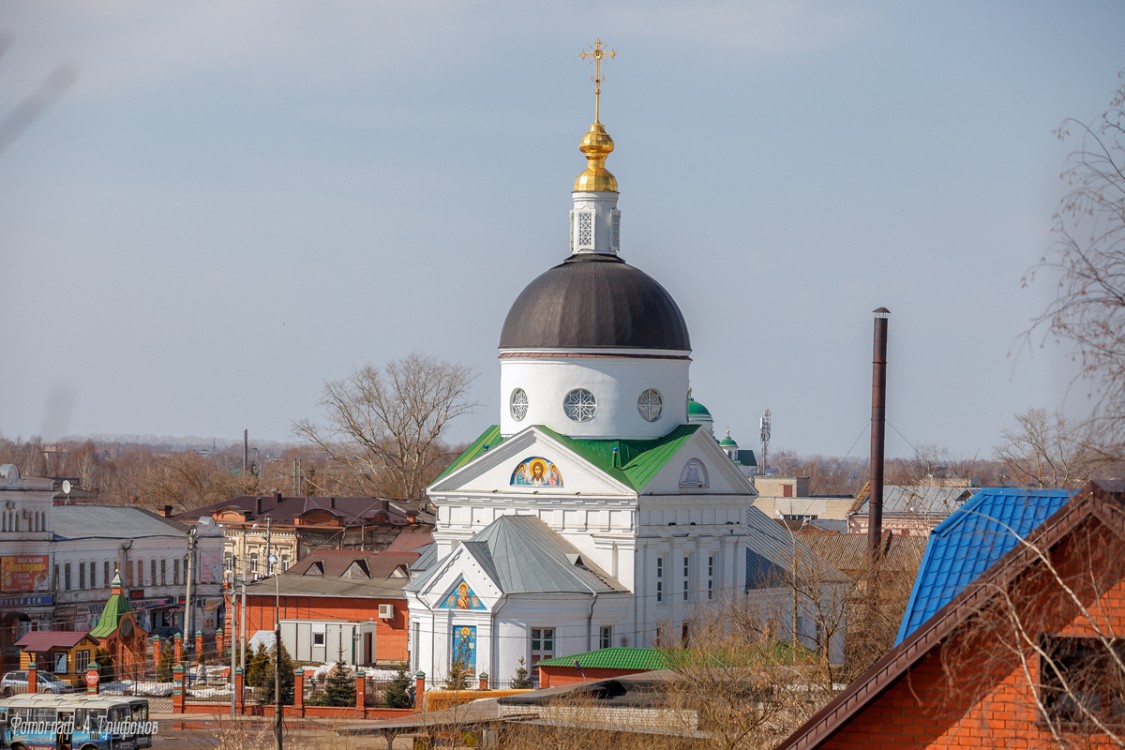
(44, 600)
(24, 573)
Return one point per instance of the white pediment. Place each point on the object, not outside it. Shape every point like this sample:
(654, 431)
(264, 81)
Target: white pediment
(460, 584)
(532, 463)
(699, 467)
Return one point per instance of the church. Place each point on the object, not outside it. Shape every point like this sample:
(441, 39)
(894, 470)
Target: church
(599, 511)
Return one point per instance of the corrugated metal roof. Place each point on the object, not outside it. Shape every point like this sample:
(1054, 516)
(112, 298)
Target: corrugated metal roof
(970, 541)
(111, 522)
(641, 659)
(527, 557)
(523, 556)
(920, 500)
(770, 554)
(637, 461)
(42, 641)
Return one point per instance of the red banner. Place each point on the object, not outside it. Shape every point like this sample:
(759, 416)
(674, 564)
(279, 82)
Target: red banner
(24, 573)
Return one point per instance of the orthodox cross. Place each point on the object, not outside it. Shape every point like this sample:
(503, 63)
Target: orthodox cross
(598, 54)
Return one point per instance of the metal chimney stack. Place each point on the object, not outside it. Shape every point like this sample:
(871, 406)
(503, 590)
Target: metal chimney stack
(878, 435)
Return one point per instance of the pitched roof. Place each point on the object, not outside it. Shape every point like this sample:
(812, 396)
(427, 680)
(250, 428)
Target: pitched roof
(970, 541)
(849, 552)
(522, 555)
(39, 641)
(1102, 499)
(915, 500)
(635, 464)
(770, 554)
(111, 522)
(346, 573)
(641, 659)
(282, 509)
(115, 608)
(411, 540)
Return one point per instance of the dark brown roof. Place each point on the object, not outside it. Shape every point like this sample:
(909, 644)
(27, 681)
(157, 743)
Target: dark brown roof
(1104, 499)
(411, 540)
(40, 641)
(287, 510)
(335, 563)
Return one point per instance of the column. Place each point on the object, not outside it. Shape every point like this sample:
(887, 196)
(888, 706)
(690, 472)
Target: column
(420, 691)
(178, 689)
(32, 677)
(360, 691)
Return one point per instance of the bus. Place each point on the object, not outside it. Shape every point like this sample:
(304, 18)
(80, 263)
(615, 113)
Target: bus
(42, 721)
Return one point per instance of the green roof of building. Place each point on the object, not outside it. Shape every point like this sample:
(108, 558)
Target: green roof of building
(112, 612)
(728, 442)
(636, 463)
(640, 659)
(489, 439)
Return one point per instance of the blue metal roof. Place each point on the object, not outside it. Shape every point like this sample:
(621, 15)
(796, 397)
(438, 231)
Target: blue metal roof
(970, 541)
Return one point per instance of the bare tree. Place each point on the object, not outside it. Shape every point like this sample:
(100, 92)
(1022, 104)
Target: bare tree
(1047, 450)
(387, 423)
(1088, 257)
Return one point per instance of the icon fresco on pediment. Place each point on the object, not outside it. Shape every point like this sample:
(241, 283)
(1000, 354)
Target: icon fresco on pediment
(536, 471)
(462, 597)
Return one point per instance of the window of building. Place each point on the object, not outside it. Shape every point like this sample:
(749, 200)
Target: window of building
(1081, 681)
(580, 405)
(605, 637)
(284, 562)
(163, 572)
(106, 580)
(542, 647)
(650, 404)
(659, 580)
(711, 577)
(93, 574)
(81, 576)
(254, 564)
(585, 229)
(66, 576)
(81, 660)
(60, 663)
(56, 578)
(518, 404)
(318, 631)
(687, 578)
(176, 572)
(152, 571)
(140, 572)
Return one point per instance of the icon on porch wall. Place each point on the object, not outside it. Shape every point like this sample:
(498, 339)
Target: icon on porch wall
(462, 597)
(535, 471)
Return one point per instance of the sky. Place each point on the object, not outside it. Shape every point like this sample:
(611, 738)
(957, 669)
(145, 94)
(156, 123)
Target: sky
(228, 204)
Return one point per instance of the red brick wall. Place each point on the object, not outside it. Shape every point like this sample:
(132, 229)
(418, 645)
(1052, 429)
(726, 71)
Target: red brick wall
(973, 691)
(555, 676)
(390, 635)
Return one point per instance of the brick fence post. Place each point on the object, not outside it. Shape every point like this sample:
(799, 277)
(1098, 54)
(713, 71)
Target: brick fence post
(483, 681)
(299, 691)
(33, 677)
(420, 691)
(360, 692)
(198, 643)
(178, 689)
(157, 652)
(219, 645)
(239, 688)
(177, 648)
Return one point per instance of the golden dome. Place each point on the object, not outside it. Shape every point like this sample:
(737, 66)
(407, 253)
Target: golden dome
(596, 145)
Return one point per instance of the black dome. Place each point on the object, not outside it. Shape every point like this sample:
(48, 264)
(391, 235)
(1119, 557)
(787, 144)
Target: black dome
(595, 301)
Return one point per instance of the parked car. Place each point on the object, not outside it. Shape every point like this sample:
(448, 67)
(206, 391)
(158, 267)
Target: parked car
(16, 682)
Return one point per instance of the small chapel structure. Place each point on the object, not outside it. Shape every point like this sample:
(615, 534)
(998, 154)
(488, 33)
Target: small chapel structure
(599, 512)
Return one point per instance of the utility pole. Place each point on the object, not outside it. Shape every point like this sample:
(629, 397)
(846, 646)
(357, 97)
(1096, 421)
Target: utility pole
(189, 598)
(269, 554)
(276, 656)
(233, 635)
(242, 640)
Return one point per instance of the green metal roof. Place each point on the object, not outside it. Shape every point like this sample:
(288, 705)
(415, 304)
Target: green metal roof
(696, 408)
(114, 609)
(728, 442)
(637, 461)
(489, 439)
(640, 659)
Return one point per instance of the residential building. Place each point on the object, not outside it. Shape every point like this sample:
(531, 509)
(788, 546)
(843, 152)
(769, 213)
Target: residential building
(909, 510)
(1011, 637)
(288, 528)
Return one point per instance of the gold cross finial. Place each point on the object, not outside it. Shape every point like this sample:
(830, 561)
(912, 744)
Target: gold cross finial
(598, 54)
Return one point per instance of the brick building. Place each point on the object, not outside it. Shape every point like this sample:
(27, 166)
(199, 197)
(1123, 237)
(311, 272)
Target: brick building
(1024, 656)
(337, 605)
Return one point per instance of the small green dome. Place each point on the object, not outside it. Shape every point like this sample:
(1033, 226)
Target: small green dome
(728, 442)
(696, 409)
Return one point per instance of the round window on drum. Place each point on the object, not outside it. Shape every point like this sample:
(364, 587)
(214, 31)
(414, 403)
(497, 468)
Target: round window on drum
(518, 404)
(650, 404)
(580, 405)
